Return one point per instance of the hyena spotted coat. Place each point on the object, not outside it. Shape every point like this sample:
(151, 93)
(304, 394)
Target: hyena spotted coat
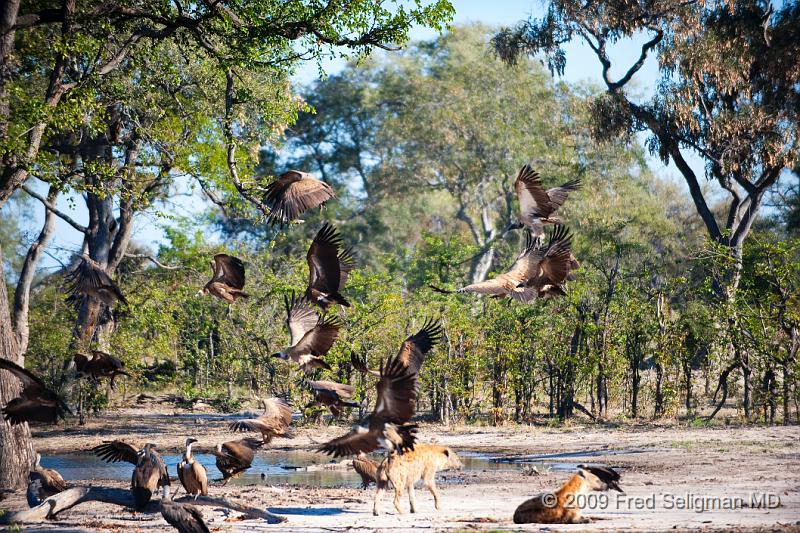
(406, 469)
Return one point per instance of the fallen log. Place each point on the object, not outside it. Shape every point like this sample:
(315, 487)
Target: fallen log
(69, 498)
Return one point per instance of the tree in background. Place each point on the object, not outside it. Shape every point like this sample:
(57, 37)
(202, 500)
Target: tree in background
(728, 93)
(66, 116)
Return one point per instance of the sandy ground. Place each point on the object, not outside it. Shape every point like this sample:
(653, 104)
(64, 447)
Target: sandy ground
(660, 464)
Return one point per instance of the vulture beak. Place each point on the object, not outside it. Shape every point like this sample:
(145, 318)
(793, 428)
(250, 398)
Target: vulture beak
(613, 485)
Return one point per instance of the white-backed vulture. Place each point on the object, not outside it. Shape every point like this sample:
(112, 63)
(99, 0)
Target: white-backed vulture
(334, 396)
(388, 425)
(99, 366)
(273, 423)
(553, 269)
(184, 517)
(367, 469)
(35, 403)
(149, 472)
(228, 279)
(49, 483)
(90, 279)
(235, 456)
(537, 205)
(311, 335)
(293, 193)
(329, 264)
(192, 474)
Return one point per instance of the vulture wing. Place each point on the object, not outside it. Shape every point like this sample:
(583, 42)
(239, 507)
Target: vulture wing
(320, 339)
(32, 385)
(412, 351)
(293, 193)
(533, 199)
(342, 390)
(607, 475)
(558, 195)
(360, 364)
(90, 279)
(184, 517)
(278, 409)
(229, 270)
(347, 264)
(397, 392)
(242, 450)
(300, 318)
(557, 262)
(357, 440)
(324, 271)
(114, 451)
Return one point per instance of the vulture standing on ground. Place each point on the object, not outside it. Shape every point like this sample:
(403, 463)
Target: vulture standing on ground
(388, 425)
(44, 482)
(228, 279)
(101, 365)
(149, 473)
(90, 279)
(192, 474)
(311, 335)
(184, 517)
(235, 456)
(293, 193)
(367, 469)
(36, 403)
(537, 205)
(329, 264)
(553, 269)
(334, 396)
(273, 423)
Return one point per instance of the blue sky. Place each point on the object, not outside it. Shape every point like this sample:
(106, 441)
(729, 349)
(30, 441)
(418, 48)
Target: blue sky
(582, 65)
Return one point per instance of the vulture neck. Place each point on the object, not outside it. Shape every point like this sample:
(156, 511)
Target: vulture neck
(188, 454)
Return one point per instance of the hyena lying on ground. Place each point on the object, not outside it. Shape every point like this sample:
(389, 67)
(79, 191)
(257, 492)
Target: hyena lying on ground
(405, 470)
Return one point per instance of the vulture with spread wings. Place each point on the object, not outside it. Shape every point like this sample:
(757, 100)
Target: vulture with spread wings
(149, 473)
(90, 279)
(537, 205)
(329, 264)
(334, 396)
(228, 279)
(35, 403)
(388, 425)
(311, 335)
(555, 266)
(293, 193)
(273, 423)
(101, 365)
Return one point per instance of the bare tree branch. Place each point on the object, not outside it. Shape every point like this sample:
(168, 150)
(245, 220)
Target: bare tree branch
(50, 207)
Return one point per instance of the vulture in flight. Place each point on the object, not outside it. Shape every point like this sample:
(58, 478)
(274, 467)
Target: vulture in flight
(90, 279)
(235, 456)
(101, 365)
(184, 517)
(412, 351)
(36, 403)
(329, 264)
(228, 279)
(388, 425)
(537, 205)
(538, 271)
(293, 193)
(554, 267)
(149, 473)
(334, 396)
(273, 423)
(44, 482)
(191, 473)
(311, 335)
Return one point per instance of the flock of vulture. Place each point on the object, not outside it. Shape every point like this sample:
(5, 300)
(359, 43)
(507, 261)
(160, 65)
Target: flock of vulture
(539, 271)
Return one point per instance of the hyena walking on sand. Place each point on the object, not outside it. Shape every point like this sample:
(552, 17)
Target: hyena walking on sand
(405, 470)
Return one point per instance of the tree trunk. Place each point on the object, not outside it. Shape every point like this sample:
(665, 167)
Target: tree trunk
(16, 450)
